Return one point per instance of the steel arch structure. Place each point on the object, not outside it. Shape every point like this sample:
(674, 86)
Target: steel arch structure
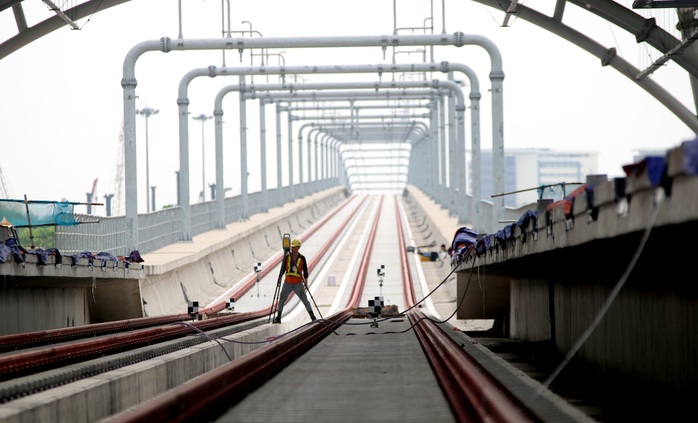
(684, 52)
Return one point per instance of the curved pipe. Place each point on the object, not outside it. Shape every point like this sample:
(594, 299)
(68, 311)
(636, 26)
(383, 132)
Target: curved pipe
(129, 83)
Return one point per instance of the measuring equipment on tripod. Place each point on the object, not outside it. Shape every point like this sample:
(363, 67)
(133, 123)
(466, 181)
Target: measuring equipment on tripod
(381, 274)
(375, 306)
(286, 242)
(193, 309)
(286, 245)
(257, 269)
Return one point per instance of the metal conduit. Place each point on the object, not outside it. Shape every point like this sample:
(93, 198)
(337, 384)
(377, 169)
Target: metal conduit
(165, 45)
(218, 112)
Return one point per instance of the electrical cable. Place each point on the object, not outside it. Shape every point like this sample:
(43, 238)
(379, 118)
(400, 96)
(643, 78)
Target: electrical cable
(607, 304)
(217, 339)
(327, 322)
(460, 302)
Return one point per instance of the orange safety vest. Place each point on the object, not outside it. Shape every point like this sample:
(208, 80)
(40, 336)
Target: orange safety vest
(293, 273)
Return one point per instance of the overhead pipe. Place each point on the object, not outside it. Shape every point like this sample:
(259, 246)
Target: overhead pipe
(300, 157)
(212, 71)
(346, 159)
(312, 158)
(165, 44)
(443, 195)
(338, 95)
(243, 154)
(316, 128)
(366, 106)
(352, 119)
(242, 87)
(263, 155)
(371, 130)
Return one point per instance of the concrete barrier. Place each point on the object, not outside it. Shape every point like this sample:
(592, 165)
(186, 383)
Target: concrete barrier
(199, 269)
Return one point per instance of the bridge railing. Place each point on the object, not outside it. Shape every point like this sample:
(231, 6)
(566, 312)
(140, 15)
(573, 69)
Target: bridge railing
(163, 227)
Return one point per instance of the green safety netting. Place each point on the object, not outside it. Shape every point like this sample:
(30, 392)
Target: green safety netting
(24, 213)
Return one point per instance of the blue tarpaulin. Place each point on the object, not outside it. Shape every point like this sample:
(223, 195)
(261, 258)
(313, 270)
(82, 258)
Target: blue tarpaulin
(41, 213)
(654, 166)
(690, 157)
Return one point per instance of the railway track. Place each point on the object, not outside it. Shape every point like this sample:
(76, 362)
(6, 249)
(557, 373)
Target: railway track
(24, 355)
(472, 393)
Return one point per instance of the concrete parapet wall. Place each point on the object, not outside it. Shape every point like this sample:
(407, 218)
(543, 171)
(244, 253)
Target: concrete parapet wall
(55, 295)
(60, 268)
(196, 271)
(435, 222)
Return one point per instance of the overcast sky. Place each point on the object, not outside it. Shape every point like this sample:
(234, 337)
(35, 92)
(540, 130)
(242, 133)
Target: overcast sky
(61, 100)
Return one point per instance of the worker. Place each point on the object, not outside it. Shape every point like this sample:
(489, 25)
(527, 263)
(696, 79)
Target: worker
(441, 255)
(295, 268)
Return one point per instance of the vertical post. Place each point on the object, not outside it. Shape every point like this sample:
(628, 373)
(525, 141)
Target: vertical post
(29, 222)
(107, 200)
(203, 163)
(89, 202)
(317, 175)
(497, 78)
(147, 112)
(453, 178)
(152, 197)
(243, 150)
(444, 164)
(220, 184)
(279, 177)
(147, 166)
(178, 186)
(291, 190)
(203, 118)
(263, 154)
(300, 162)
(325, 160)
(434, 149)
(183, 178)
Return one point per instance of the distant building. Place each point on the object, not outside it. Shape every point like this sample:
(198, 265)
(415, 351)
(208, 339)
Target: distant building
(528, 169)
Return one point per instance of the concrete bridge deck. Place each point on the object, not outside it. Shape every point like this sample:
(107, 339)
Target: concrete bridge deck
(607, 277)
(608, 281)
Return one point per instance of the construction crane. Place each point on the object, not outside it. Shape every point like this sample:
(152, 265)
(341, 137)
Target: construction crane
(91, 196)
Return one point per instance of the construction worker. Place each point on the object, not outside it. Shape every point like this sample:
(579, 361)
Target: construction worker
(295, 267)
(441, 255)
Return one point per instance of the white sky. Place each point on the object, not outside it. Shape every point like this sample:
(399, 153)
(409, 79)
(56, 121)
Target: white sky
(61, 100)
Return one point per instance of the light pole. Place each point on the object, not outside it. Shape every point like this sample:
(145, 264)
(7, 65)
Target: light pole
(147, 112)
(203, 118)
